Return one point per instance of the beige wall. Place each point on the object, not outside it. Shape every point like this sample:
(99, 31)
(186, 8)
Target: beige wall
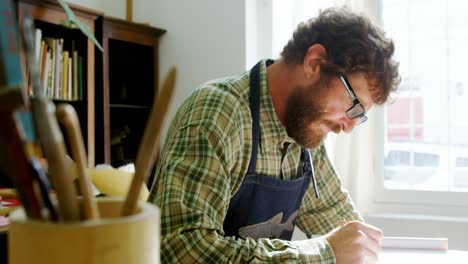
(205, 39)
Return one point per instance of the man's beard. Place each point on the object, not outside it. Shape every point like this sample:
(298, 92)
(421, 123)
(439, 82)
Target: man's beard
(303, 117)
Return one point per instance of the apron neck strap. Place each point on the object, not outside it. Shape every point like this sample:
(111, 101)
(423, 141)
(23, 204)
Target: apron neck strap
(254, 101)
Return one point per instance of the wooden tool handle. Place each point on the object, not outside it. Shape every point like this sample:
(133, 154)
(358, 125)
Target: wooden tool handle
(16, 164)
(49, 133)
(53, 145)
(66, 115)
(148, 146)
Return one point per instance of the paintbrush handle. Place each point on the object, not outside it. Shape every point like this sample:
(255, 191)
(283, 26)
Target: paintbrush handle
(53, 145)
(146, 156)
(148, 146)
(49, 133)
(17, 165)
(67, 116)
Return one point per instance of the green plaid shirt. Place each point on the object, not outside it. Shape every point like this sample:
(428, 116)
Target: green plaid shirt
(203, 163)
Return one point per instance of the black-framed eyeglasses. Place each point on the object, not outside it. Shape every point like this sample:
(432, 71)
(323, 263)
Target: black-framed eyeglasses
(357, 110)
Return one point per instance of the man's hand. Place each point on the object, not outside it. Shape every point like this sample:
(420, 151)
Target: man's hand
(355, 243)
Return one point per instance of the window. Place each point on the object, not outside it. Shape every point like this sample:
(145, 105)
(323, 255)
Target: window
(430, 115)
(425, 150)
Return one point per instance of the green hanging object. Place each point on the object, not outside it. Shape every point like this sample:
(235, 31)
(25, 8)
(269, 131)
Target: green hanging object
(73, 22)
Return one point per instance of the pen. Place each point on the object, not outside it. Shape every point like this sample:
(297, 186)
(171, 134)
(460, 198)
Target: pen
(314, 180)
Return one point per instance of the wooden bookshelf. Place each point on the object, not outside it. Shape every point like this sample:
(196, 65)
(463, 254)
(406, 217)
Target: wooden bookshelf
(48, 16)
(128, 87)
(120, 84)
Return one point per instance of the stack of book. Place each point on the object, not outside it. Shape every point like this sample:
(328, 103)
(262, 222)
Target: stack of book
(61, 70)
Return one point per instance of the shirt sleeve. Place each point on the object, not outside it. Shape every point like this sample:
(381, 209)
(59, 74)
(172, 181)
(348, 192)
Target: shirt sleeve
(199, 166)
(320, 216)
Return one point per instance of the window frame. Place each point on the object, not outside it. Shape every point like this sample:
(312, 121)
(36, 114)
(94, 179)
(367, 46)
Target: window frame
(383, 200)
(414, 202)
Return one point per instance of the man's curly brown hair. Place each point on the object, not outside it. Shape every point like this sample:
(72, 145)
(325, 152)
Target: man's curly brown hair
(353, 44)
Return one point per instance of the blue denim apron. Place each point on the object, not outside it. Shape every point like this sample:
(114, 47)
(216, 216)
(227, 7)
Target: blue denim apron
(265, 207)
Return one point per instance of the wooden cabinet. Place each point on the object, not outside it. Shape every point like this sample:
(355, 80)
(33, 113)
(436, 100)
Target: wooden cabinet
(119, 84)
(48, 16)
(128, 87)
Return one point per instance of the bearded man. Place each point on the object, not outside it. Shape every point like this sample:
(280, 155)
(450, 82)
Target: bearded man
(244, 160)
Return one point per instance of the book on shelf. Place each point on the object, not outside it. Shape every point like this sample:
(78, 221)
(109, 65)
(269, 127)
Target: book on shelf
(42, 61)
(80, 77)
(50, 73)
(64, 90)
(46, 68)
(38, 39)
(75, 75)
(70, 80)
(60, 69)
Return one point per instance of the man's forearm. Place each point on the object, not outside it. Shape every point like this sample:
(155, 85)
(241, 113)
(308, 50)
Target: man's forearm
(207, 246)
